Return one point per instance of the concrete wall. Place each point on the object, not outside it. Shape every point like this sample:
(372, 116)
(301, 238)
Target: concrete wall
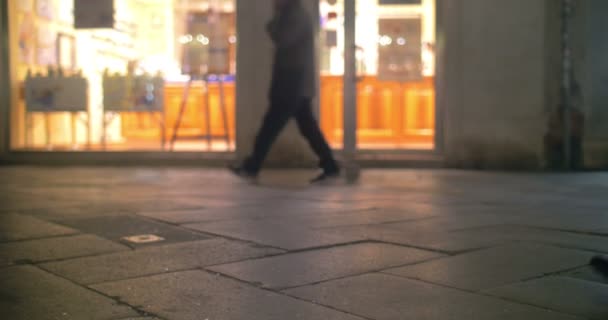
(592, 69)
(498, 82)
(254, 56)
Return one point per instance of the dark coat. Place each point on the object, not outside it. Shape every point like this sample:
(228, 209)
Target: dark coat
(292, 33)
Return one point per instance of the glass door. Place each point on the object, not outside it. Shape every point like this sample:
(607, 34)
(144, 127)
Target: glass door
(395, 73)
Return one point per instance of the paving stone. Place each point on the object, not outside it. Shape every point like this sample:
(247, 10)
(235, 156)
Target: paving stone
(29, 293)
(302, 268)
(258, 211)
(154, 260)
(563, 294)
(117, 227)
(386, 297)
(55, 249)
(275, 234)
(495, 267)
(196, 295)
(20, 227)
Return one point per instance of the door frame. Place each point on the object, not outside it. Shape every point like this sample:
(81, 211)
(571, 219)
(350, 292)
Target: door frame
(349, 105)
(5, 78)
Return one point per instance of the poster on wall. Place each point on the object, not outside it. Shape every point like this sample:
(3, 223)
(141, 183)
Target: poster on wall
(27, 38)
(46, 47)
(400, 49)
(65, 11)
(66, 51)
(46, 8)
(25, 5)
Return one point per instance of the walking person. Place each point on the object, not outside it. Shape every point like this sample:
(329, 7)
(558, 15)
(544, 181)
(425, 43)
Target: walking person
(291, 91)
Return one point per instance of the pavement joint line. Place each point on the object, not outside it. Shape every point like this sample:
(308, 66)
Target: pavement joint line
(217, 235)
(77, 257)
(130, 278)
(277, 291)
(559, 273)
(573, 231)
(288, 252)
(483, 293)
(127, 249)
(530, 304)
(77, 233)
(562, 246)
(315, 283)
(135, 246)
(177, 226)
(444, 252)
(140, 312)
(329, 246)
(372, 224)
(155, 274)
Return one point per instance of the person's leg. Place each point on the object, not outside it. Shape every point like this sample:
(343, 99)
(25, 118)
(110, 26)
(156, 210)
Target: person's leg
(275, 120)
(309, 128)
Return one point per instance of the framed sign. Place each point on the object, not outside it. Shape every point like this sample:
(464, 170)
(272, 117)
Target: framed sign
(206, 47)
(400, 49)
(56, 94)
(133, 94)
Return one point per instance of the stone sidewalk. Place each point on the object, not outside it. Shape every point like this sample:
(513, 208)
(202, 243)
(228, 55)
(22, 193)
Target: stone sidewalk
(400, 244)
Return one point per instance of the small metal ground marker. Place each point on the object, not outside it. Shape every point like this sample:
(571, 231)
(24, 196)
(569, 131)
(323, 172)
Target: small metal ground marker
(143, 238)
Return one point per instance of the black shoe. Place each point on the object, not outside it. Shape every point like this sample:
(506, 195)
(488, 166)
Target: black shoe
(600, 264)
(243, 173)
(326, 176)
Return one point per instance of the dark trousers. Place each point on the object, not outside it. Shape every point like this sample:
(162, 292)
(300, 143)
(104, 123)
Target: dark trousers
(278, 115)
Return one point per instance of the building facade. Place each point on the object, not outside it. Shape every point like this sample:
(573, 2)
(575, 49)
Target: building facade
(474, 83)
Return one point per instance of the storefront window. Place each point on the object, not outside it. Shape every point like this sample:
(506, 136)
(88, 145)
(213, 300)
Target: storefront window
(122, 86)
(396, 68)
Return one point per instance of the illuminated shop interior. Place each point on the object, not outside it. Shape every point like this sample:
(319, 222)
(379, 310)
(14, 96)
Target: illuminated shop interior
(392, 113)
(152, 38)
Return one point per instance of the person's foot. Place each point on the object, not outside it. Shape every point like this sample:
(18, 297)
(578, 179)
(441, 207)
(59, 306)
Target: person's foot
(600, 264)
(243, 173)
(326, 175)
